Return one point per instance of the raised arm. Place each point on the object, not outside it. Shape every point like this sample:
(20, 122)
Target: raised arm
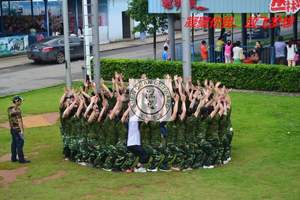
(201, 104)
(69, 109)
(125, 115)
(62, 100)
(85, 94)
(175, 109)
(105, 88)
(115, 109)
(215, 111)
(94, 114)
(103, 110)
(94, 100)
(183, 107)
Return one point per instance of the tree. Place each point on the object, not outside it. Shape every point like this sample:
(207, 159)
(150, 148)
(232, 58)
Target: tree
(150, 23)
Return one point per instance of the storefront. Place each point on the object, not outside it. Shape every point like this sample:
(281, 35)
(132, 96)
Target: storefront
(23, 22)
(278, 12)
(26, 21)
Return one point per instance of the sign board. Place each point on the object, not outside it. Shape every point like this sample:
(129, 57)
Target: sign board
(227, 6)
(287, 6)
(13, 45)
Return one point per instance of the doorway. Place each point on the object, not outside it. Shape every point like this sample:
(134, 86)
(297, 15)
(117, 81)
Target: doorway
(126, 25)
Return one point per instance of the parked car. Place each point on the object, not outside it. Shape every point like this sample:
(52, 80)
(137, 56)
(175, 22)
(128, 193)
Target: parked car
(52, 50)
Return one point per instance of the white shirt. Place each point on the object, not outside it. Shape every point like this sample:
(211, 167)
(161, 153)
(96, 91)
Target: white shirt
(166, 44)
(134, 135)
(291, 52)
(237, 51)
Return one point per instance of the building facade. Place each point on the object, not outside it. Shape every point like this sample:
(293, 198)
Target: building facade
(23, 20)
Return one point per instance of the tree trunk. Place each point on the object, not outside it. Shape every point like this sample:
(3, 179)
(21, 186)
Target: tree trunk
(154, 38)
(154, 44)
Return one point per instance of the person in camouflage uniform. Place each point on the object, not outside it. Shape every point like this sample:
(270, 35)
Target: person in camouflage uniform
(16, 130)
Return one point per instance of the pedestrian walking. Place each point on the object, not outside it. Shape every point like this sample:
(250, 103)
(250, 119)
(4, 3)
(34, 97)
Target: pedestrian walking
(16, 130)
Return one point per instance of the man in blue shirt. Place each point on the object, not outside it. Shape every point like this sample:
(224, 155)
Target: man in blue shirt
(165, 54)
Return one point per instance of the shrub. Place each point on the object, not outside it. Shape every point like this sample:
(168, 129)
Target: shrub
(238, 76)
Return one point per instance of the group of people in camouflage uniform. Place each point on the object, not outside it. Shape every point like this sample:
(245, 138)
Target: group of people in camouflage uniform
(95, 127)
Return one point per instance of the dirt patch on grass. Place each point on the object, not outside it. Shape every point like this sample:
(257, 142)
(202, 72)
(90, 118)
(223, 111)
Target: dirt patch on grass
(55, 176)
(122, 190)
(41, 146)
(126, 188)
(33, 121)
(5, 158)
(89, 196)
(10, 176)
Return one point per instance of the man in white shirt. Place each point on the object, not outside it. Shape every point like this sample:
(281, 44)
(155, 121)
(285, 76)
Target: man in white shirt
(134, 143)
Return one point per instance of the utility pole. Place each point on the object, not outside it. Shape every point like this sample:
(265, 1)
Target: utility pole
(67, 45)
(87, 57)
(193, 37)
(186, 40)
(171, 35)
(96, 49)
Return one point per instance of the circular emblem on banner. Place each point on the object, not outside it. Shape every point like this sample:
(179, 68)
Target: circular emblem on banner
(150, 100)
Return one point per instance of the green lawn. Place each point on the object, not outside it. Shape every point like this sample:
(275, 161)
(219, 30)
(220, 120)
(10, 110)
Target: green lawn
(266, 164)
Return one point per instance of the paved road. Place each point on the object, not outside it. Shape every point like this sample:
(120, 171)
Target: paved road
(29, 76)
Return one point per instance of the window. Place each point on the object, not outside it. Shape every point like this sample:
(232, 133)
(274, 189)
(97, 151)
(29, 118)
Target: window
(103, 10)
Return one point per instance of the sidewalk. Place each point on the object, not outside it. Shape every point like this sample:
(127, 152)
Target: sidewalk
(7, 62)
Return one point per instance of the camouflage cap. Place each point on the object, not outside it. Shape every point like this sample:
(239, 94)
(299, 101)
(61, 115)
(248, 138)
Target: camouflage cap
(17, 98)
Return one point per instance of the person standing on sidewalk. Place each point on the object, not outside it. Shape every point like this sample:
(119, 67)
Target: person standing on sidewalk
(238, 53)
(219, 50)
(165, 54)
(280, 48)
(291, 53)
(228, 51)
(204, 51)
(16, 130)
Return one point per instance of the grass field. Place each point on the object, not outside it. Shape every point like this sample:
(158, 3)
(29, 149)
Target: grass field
(265, 165)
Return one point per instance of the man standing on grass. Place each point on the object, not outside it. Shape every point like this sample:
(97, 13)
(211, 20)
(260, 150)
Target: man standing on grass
(16, 130)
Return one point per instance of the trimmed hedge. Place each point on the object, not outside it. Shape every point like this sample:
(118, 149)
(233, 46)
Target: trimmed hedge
(239, 76)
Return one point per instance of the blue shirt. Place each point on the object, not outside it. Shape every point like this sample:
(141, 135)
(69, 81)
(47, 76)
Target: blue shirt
(165, 56)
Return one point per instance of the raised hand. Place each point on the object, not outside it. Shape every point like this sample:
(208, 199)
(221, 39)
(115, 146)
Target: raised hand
(183, 98)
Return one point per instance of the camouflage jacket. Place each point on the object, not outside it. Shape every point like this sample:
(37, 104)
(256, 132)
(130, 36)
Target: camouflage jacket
(14, 115)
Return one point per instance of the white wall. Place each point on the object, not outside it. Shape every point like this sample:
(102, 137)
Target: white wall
(115, 9)
(103, 34)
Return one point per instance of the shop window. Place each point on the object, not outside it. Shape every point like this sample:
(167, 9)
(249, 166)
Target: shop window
(103, 10)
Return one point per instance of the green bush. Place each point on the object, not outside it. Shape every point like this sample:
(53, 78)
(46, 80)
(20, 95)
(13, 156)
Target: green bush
(238, 76)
